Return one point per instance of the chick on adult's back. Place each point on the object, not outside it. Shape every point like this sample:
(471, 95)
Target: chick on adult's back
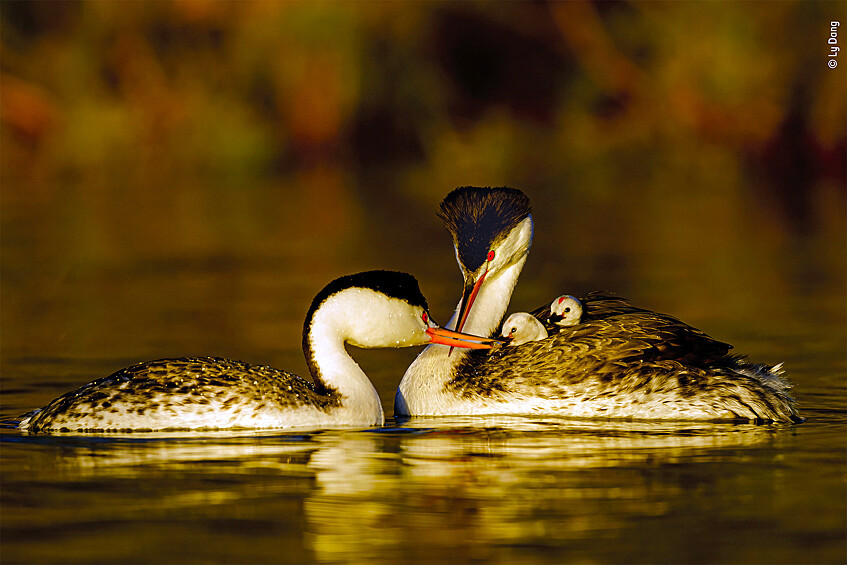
(617, 361)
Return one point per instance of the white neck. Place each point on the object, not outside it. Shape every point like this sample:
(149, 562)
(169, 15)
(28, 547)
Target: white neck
(337, 370)
(420, 389)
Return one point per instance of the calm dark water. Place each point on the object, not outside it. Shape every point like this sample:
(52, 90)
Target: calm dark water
(90, 289)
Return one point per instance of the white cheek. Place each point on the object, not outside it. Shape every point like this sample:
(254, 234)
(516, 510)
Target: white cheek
(406, 330)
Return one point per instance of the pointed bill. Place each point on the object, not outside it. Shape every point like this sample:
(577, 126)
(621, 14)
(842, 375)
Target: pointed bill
(444, 336)
(468, 297)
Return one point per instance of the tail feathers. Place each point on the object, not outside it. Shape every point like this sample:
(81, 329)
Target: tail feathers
(765, 393)
(25, 419)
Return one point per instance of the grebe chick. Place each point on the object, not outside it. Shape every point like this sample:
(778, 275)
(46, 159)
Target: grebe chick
(372, 309)
(565, 311)
(619, 361)
(522, 327)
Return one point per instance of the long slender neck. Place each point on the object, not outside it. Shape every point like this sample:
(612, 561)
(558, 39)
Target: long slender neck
(420, 391)
(332, 368)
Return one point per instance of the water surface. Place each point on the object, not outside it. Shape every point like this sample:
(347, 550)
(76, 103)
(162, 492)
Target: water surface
(451, 490)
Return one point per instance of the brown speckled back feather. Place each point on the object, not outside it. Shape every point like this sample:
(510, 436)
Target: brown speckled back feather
(157, 390)
(631, 355)
(651, 335)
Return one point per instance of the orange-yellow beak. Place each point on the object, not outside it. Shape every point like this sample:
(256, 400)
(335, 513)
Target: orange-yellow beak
(468, 297)
(456, 339)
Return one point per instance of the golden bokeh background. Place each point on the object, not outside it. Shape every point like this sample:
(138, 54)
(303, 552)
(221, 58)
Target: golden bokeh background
(690, 155)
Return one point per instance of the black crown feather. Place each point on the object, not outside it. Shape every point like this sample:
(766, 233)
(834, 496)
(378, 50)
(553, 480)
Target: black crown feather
(478, 218)
(390, 283)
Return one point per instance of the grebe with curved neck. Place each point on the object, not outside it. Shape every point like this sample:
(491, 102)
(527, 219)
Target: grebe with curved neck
(371, 309)
(619, 361)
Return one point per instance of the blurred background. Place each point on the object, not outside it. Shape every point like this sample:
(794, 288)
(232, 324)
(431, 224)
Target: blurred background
(182, 177)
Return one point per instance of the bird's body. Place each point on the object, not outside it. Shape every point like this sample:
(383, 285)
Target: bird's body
(373, 309)
(618, 361)
(191, 393)
(621, 361)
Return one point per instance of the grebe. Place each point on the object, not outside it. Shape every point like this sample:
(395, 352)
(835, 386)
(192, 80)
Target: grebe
(522, 327)
(565, 311)
(619, 361)
(371, 309)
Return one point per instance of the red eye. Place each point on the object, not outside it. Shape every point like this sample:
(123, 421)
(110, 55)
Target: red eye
(425, 318)
(491, 255)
